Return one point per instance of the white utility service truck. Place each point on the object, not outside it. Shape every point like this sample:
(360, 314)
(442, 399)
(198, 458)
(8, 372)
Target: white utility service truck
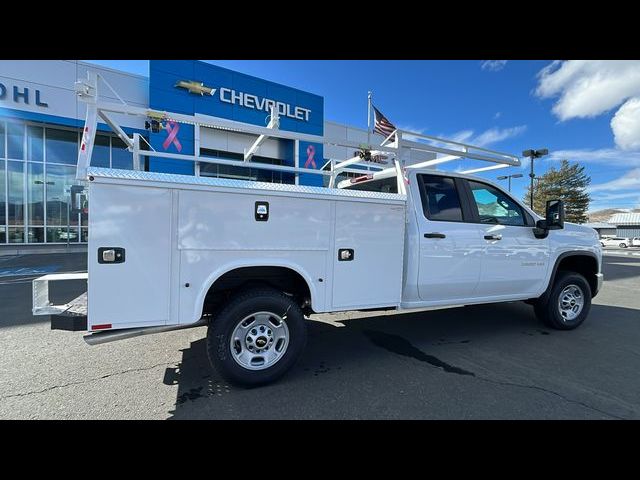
(250, 260)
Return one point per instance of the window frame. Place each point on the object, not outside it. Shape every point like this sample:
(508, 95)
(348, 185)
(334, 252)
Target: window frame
(472, 205)
(462, 200)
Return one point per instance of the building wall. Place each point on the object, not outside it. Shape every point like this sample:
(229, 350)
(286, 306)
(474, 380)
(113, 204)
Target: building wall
(629, 231)
(43, 90)
(606, 231)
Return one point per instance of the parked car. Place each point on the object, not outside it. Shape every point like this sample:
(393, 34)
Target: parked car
(615, 242)
(635, 242)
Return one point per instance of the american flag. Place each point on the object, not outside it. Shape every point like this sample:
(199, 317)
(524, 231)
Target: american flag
(382, 126)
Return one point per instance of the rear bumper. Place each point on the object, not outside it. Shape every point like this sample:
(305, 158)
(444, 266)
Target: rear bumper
(599, 280)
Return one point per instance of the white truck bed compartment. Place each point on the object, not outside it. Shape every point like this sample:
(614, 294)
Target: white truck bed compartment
(181, 233)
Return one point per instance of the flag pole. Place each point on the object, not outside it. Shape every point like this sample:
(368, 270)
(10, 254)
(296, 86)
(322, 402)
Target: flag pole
(369, 119)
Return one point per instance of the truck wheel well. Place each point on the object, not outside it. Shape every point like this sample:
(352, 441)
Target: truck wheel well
(281, 278)
(585, 265)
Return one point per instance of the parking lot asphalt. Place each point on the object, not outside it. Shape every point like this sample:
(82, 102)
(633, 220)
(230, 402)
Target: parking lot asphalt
(477, 362)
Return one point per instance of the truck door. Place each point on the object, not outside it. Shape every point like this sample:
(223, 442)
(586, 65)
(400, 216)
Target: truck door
(515, 262)
(451, 248)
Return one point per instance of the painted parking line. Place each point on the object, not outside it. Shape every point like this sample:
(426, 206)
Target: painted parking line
(21, 271)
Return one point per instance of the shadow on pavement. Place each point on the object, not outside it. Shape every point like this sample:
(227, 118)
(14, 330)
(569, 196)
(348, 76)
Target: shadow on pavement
(356, 353)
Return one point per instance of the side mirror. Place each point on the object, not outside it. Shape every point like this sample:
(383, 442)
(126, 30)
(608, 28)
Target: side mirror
(554, 219)
(555, 215)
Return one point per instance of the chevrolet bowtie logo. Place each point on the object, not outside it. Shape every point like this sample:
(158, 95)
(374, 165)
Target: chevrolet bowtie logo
(195, 87)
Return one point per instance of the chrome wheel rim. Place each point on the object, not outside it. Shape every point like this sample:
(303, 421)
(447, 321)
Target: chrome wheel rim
(571, 302)
(259, 340)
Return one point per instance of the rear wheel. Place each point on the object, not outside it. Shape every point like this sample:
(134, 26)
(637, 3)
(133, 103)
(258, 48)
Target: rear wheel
(256, 337)
(568, 303)
(623, 245)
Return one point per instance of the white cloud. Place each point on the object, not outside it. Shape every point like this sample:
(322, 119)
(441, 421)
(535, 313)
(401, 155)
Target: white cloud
(630, 180)
(588, 88)
(463, 136)
(600, 196)
(609, 156)
(495, 135)
(497, 115)
(626, 125)
(486, 138)
(493, 65)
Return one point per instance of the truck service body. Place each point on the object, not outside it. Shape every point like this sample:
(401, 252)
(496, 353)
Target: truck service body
(252, 259)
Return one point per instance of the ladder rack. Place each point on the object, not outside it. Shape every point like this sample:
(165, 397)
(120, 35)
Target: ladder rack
(396, 152)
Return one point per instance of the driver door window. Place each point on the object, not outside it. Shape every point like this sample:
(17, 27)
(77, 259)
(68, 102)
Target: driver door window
(495, 207)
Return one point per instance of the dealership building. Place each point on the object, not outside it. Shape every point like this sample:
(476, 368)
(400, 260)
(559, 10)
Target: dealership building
(41, 121)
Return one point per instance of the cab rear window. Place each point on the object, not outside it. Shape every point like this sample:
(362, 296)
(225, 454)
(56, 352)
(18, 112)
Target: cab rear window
(385, 185)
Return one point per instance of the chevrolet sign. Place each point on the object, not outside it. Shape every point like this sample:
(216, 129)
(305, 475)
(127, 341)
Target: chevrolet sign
(246, 100)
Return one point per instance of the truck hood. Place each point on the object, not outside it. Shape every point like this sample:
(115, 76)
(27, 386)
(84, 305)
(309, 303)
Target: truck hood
(577, 235)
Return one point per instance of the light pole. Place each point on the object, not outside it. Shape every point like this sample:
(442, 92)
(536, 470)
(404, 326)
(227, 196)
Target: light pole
(533, 154)
(504, 177)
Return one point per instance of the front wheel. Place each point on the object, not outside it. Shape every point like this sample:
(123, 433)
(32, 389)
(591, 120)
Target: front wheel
(256, 337)
(568, 304)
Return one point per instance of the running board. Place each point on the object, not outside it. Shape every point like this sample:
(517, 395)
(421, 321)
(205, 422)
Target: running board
(124, 333)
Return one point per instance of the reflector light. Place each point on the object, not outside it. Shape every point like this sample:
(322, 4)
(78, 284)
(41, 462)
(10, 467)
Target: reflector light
(104, 326)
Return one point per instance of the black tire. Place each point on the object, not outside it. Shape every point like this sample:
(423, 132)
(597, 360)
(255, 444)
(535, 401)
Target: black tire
(246, 303)
(602, 244)
(623, 245)
(549, 312)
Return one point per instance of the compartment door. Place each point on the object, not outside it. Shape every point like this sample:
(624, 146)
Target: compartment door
(137, 220)
(367, 256)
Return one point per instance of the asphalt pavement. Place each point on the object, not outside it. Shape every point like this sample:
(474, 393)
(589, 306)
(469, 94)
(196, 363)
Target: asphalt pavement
(477, 362)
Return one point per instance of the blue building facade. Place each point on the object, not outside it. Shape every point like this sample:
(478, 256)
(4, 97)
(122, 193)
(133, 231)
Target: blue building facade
(234, 96)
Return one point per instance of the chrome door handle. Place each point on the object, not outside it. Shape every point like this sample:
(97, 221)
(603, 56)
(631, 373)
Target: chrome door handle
(493, 237)
(435, 235)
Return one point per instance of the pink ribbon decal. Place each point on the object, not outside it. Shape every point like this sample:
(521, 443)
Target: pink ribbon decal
(311, 151)
(172, 129)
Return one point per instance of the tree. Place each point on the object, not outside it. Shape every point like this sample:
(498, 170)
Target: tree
(568, 183)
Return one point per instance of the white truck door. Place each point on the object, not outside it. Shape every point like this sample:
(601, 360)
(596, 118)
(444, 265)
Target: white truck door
(450, 248)
(515, 261)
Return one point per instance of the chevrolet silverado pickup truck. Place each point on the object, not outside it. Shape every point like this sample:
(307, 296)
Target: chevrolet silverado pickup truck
(253, 260)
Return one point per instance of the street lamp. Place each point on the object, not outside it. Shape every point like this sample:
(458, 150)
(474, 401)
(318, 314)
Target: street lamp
(504, 177)
(533, 154)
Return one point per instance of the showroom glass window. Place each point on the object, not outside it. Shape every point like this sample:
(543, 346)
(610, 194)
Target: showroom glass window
(37, 170)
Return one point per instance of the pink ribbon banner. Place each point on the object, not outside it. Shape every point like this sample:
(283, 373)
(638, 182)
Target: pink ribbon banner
(172, 129)
(311, 151)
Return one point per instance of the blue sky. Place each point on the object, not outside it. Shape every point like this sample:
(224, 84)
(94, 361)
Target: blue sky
(586, 111)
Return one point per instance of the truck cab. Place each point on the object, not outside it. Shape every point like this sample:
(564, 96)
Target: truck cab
(470, 241)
